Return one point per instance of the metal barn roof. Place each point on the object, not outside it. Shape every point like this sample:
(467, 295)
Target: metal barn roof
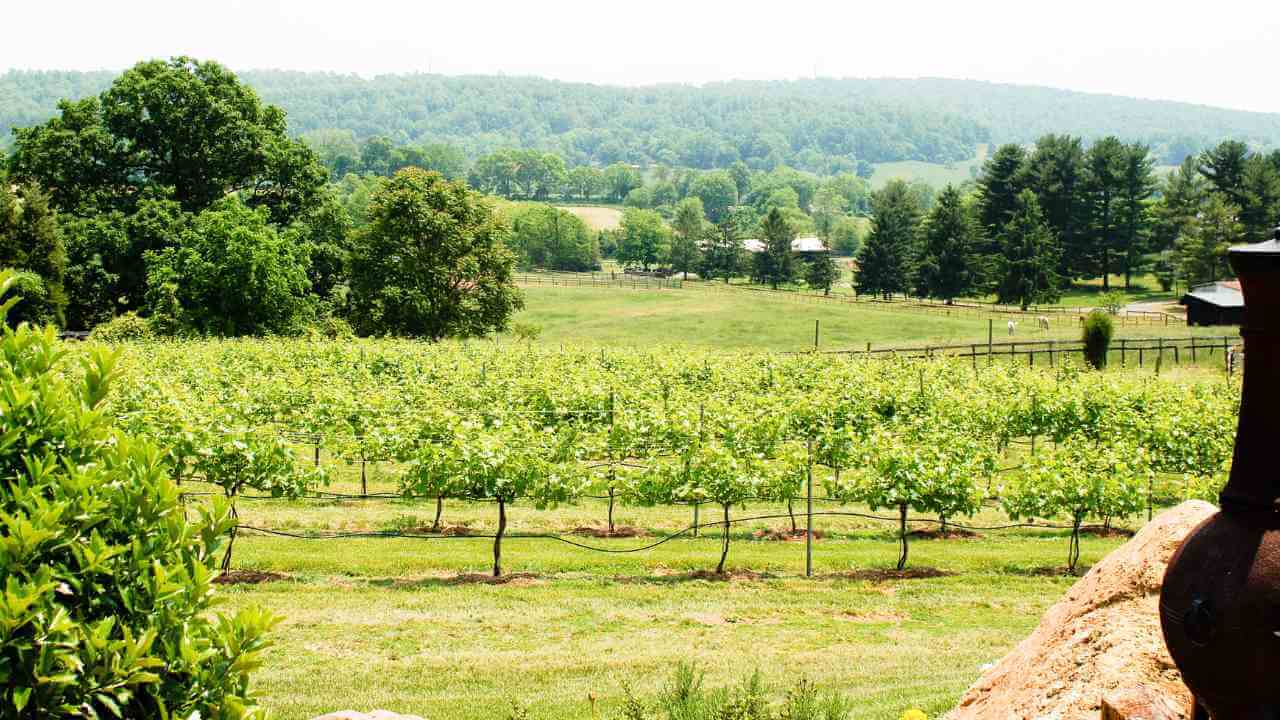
(1221, 294)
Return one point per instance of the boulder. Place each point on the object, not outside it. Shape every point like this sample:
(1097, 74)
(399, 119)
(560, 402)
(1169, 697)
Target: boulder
(1101, 640)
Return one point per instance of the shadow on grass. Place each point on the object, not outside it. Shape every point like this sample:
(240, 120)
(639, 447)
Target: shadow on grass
(1045, 571)
(248, 577)
(877, 575)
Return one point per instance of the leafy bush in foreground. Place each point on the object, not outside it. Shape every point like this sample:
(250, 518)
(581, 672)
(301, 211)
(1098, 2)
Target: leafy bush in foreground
(107, 584)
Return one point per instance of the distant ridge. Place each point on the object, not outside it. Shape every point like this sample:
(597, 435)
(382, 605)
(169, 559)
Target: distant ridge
(818, 124)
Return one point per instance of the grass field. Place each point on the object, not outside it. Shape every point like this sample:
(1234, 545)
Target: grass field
(934, 174)
(746, 320)
(409, 625)
(596, 217)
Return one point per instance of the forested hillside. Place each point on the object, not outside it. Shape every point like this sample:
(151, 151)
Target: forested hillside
(825, 126)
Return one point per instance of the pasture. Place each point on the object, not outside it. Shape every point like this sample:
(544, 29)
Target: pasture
(597, 217)
(740, 319)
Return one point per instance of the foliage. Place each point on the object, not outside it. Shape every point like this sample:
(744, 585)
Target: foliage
(31, 241)
(129, 327)
(689, 224)
(547, 237)
(822, 273)
(107, 152)
(1202, 248)
(886, 258)
(774, 263)
(108, 585)
(229, 273)
(1028, 265)
(432, 262)
(949, 264)
(1079, 479)
(1098, 328)
(645, 239)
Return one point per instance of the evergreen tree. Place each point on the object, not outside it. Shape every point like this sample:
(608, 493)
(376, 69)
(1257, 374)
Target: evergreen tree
(1003, 177)
(885, 259)
(1029, 257)
(1202, 249)
(1182, 196)
(822, 273)
(774, 264)
(1223, 166)
(948, 265)
(1135, 206)
(1055, 171)
(31, 240)
(1260, 198)
(688, 225)
(1103, 190)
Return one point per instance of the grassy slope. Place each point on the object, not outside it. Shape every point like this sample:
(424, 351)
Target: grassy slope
(932, 173)
(383, 623)
(640, 318)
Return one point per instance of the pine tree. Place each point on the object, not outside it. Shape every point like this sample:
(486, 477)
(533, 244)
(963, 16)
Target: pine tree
(1223, 166)
(1103, 189)
(1003, 177)
(1055, 171)
(822, 273)
(1135, 206)
(948, 265)
(1029, 257)
(1182, 196)
(774, 264)
(687, 223)
(1260, 198)
(885, 259)
(1202, 249)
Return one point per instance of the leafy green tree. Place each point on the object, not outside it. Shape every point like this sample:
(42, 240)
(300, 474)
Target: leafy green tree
(620, 180)
(645, 239)
(689, 225)
(108, 587)
(886, 258)
(377, 155)
(846, 236)
(949, 262)
(548, 237)
(822, 273)
(828, 207)
(1202, 248)
(146, 129)
(717, 191)
(230, 273)
(31, 240)
(496, 173)
(325, 231)
(741, 175)
(1028, 266)
(432, 262)
(774, 263)
(585, 182)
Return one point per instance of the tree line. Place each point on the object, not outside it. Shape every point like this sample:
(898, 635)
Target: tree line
(1040, 218)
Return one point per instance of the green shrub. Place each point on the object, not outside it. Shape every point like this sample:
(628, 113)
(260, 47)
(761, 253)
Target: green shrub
(107, 583)
(128, 327)
(684, 697)
(1112, 301)
(1098, 328)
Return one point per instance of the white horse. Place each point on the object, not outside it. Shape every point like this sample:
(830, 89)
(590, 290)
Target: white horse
(1043, 323)
(1012, 326)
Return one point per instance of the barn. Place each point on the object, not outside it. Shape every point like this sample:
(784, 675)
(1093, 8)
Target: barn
(1215, 303)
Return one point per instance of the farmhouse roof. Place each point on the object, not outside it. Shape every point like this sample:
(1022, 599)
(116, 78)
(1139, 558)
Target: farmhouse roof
(799, 245)
(1221, 294)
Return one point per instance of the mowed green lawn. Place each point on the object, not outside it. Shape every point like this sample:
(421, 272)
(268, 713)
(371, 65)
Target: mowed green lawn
(757, 321)
(406, 624)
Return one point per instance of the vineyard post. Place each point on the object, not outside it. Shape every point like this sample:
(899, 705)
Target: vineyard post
(1122, 353)
(702, 413)
(808, 531)
(1193, 350)
(1177, 356)
(317, 437)
(815, 334)
(1159, 349)
(1140, 353)
(991, 328)
(613, 468)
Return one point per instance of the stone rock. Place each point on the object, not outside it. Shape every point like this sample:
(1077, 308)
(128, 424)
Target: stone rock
(1101, 639)
(1141, 703)
(374, 715)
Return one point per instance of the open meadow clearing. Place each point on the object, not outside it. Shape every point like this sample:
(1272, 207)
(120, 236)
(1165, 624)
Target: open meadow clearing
(597, 217)
(762, 321)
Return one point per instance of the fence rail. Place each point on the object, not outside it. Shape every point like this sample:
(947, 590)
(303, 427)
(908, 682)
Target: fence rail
(598, 279)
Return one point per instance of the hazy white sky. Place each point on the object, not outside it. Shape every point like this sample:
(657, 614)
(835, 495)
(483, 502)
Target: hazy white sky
(1223, 52)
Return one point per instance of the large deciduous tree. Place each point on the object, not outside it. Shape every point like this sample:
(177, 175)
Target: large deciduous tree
(432, 262)
(717, 191)
(645, 239)
(187, 126)
(689, 224)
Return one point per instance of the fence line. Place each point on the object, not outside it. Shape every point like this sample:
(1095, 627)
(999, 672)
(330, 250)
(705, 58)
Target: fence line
(601, 280)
